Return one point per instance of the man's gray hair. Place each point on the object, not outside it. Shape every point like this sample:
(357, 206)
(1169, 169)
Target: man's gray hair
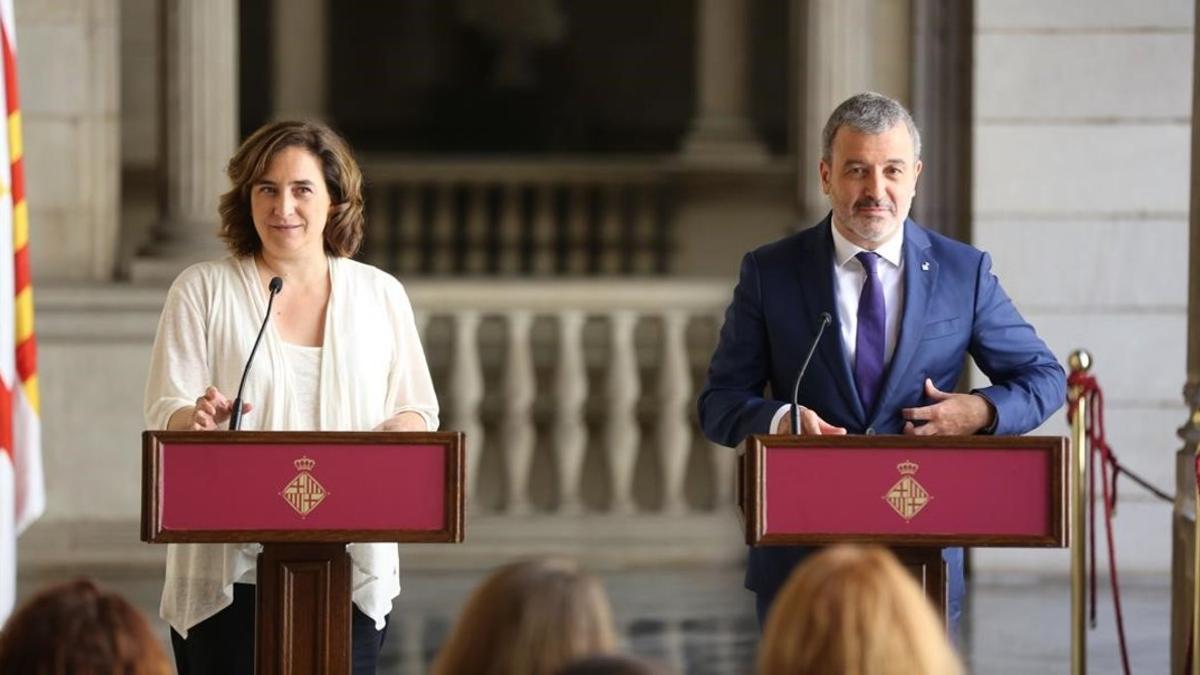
(868, 113)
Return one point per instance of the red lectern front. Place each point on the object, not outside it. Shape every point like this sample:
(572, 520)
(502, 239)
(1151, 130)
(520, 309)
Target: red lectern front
(916, 494)
(304, 496)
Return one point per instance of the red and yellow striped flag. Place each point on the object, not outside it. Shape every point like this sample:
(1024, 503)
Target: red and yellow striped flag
(22, 488)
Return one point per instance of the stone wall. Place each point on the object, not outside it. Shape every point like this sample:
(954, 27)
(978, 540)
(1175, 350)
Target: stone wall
(1082, 123)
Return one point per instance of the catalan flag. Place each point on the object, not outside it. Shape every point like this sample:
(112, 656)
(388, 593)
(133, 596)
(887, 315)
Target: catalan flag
(22, 489)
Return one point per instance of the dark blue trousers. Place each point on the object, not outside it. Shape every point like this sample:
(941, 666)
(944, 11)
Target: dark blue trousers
(223, 644)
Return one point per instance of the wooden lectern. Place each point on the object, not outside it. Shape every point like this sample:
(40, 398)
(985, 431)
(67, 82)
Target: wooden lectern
(304, 496)
(916, 494)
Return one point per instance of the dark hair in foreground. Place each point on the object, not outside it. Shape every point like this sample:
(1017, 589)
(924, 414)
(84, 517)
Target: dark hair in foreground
(343, 180)
(78, 629)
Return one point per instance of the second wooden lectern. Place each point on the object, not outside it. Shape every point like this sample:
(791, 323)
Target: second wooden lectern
(916, 494)
(304, 496)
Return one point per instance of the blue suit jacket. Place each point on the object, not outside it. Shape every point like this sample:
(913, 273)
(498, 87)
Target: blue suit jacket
(953, 306)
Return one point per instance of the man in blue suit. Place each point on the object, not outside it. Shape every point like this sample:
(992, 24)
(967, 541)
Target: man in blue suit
(908, 305)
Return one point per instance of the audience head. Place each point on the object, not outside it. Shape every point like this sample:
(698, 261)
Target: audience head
(78, 629)
(614, 664)
(529, 618)
(854, 610)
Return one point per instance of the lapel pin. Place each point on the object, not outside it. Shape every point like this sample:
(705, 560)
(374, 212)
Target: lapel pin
(925, 266)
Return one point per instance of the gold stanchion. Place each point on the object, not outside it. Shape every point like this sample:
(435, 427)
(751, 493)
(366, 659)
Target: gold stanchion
(1195, 632)
(1080, 361)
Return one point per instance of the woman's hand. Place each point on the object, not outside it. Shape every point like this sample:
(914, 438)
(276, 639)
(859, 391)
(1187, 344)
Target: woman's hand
(405, 421)
(211, 411)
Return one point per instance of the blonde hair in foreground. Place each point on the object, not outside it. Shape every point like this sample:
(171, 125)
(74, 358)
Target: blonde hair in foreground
(529, 618)
(854, 610)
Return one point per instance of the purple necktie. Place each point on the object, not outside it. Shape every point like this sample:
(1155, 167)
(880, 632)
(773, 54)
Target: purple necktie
(868, 344)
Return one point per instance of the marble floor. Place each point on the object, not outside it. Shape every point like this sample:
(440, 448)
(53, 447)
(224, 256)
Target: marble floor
(700, 620)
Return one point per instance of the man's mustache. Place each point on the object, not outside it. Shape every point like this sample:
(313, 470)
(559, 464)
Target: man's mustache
(874, 204)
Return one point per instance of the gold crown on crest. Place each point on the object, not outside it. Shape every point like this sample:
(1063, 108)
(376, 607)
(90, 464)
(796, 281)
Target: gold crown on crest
(304, 464)
(907, 467)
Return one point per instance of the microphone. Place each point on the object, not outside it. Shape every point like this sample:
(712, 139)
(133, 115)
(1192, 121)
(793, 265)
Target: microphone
(825, 321)
(235, 415)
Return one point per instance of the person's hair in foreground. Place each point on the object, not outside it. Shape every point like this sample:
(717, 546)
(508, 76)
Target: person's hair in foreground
(853, 610)
(529, 618)
(76, 628)
(614, 664)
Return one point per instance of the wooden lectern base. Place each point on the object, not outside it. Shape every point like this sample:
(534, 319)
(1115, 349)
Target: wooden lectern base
(926, 564)
(303, 610)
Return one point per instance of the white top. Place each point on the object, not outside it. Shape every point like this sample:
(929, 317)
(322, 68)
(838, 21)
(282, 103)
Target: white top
(372, 367)
(849, 276)
(305, 364)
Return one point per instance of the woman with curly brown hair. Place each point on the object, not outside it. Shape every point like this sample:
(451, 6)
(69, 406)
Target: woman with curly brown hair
(341, 353)
(78, 629)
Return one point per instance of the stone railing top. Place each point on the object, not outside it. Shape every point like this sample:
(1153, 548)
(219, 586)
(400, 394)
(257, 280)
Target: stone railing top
(130, 312)
(556, 295)
(382, 168)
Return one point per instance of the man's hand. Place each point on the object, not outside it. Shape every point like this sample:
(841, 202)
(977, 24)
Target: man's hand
(810, 423)
(950, 415)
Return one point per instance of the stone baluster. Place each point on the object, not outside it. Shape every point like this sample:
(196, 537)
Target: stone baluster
(570, 389)
(544, 236)
(674, 398)
(612, 218)
(575, 261)
(406, 234)
(621, 433)
(511, 226)
(520, 388)
(442, 236)
(644, 229)
(476, 246)
(466, 383)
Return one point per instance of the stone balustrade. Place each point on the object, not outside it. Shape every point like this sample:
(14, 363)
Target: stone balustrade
(532, 371)
(514, 217)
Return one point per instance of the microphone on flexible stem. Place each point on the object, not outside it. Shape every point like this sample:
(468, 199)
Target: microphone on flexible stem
(235, 415)
(825, 321)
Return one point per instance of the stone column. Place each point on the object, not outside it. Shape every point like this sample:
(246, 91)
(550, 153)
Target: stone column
(300, 65)
(833, 65)
(1183, 525)
(721, 129)
(69, 59)
(199, 132)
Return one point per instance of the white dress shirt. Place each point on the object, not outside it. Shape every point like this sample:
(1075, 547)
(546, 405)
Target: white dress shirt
(849, 276)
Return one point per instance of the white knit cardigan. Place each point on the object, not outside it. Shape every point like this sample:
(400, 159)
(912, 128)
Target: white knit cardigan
(372, 367)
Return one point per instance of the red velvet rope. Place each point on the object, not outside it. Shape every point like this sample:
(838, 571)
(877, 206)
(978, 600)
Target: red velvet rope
(1082, 384)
